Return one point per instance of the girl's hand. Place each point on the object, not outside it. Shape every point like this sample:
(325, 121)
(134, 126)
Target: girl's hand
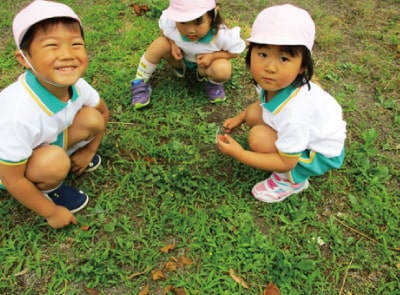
(232, 123)
(176, 51)
(204, 60)
(228, 145)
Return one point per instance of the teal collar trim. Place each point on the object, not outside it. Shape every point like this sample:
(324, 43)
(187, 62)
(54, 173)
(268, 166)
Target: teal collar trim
(278, 100)
(206, 39)
(52, 103)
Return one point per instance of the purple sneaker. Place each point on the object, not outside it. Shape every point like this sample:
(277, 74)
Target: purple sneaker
(215, 92)
(140, 90)
(68, 197)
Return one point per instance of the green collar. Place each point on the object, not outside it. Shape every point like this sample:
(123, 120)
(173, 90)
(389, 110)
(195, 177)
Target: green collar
(47, 101)
(206, 39)
(279, 100)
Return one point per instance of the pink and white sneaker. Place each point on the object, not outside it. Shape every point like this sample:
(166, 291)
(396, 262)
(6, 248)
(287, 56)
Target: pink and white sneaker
(276, 189)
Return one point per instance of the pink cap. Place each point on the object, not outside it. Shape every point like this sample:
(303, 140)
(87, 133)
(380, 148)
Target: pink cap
(37, 11)
(187, 10)
(283, 25)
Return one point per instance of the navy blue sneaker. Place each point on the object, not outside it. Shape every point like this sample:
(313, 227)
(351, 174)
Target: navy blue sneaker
(69, 197)
(94, 164)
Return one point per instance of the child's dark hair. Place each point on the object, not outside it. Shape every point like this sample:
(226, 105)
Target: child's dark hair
(216, 18)
(294, 50)
(44, 25)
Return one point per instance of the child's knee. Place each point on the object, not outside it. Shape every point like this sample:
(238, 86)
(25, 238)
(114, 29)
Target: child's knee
(221, 70)
(89, 119)
(262, 139)
(48, 166)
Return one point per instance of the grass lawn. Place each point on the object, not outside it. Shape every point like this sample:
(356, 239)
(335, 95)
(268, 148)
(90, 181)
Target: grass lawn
(169, 213)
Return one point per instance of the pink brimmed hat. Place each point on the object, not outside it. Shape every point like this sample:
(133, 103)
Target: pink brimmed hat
(37, 11)
(187, 10)
(283, 25)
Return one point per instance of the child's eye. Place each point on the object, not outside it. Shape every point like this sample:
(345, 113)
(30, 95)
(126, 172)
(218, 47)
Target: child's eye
(262, 54)
(199, 21)
(50, 45)
(284, 59)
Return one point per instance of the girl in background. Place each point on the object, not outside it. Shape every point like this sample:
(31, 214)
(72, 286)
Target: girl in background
(194, 38)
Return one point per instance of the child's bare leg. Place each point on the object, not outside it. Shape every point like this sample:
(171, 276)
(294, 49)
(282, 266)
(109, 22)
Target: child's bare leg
(254, 115)
(87, 123)
(219, 71)
(160, 49)
(262, 139)
(47, 167)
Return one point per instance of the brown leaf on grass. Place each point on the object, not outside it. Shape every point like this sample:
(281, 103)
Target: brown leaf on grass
(167, 248)
(157, 275)
(171, 266)
(140, 9)
(238, 279)
(179, 291)
(186, 261)
(145, 290)
(137, 274)
(84, 227)
(167, 289)
(91, 291)
(271, 289)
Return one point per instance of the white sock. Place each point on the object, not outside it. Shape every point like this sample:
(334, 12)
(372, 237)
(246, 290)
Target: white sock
(217, 83)
(145, 69)
(282, 175)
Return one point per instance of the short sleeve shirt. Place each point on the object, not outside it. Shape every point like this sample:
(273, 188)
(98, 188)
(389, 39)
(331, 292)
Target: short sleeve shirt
(226, 39)
(30, 116)
(305, 119)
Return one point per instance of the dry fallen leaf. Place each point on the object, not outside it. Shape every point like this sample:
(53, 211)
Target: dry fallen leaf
(167, 248)
(157, 275)
(137, 274)
(140, 9)
(171, 266)
(145, 290)
(179, 291)
(167, 289)
(238, 279)
(91, 291)
(84, 227)
(271, 289)
(186, 261)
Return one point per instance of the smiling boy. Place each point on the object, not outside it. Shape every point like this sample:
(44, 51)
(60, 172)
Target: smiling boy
(51, 120)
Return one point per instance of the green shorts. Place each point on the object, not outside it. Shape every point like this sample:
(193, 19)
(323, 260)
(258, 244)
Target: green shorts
(312, 163)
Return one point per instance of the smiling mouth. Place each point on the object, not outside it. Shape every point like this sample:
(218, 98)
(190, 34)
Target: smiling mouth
(66, 69)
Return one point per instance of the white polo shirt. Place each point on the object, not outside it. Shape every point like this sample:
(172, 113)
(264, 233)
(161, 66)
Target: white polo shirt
(226, 39)
(305, 119)
(30, 116)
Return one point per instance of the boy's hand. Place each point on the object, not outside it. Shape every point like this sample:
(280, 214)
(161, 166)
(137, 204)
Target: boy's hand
(80, 160)
(61, 217)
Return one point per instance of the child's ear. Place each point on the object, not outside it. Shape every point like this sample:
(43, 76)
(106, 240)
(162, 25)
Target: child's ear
(21, 59)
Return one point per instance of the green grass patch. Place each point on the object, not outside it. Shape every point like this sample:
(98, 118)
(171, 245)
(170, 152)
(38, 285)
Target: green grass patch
(163, 182)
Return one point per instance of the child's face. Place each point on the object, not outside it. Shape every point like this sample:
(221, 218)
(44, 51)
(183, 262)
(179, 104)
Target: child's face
(274, 69)
(58, 54)
(195, 29)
